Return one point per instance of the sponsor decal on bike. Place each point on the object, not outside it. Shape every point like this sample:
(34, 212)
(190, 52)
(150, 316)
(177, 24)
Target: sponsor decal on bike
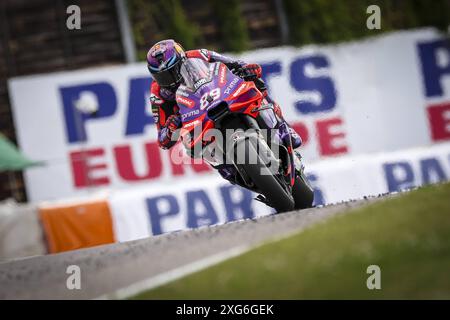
(199, 83)
(187, 102)
(182, 93)
(231, 86)
(239, 90)
(190, 114)
(208, 97)
(213, 104)
(216, 69)
(191, 124)
(222, 75)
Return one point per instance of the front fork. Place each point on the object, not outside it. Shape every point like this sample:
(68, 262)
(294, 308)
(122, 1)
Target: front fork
(285, 137)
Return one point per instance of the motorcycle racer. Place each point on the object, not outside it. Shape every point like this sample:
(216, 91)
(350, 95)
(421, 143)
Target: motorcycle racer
(164, 60)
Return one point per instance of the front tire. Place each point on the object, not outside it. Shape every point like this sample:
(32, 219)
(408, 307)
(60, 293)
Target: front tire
(302, 192)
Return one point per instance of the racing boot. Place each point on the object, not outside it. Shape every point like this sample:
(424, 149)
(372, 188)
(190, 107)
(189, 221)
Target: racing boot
(227, 172)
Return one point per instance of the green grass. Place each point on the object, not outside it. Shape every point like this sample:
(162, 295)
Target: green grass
(408, 237)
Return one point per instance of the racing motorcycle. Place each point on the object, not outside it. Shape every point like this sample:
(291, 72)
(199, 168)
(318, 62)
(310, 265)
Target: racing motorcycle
(227, 122)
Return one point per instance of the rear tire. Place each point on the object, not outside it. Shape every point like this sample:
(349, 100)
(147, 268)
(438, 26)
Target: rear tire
(302, 192)
(270, 187)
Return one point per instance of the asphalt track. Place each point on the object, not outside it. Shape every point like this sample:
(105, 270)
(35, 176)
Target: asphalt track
(107, 271)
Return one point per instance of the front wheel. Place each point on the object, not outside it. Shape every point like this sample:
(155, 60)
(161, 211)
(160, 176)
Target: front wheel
(302, 192)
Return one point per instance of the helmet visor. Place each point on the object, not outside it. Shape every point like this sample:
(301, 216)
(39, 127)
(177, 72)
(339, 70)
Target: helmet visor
(168, 77)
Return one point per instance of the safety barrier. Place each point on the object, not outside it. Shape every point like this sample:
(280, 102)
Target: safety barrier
(141, 212)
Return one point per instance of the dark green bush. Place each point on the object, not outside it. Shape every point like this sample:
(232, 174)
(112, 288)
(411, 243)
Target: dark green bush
(310, 21)
(231, 24)
(324, 21)
(156, 20)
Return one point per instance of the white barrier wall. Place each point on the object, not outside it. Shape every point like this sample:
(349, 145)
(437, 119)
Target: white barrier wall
(380, 94)
(21, 234)
(139, 213)
(358, 176)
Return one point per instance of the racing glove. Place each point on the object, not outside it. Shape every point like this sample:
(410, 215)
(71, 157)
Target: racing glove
(252, 70)
(173, 123)
(249, 72)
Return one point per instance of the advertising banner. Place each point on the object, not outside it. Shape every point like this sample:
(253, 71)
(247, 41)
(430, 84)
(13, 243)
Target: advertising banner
(380, 94)
(139, 213)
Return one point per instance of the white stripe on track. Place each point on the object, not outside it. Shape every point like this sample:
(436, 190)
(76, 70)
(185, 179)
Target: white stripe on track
(174, 274)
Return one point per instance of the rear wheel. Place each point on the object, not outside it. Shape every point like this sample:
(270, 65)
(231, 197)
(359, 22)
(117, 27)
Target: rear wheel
(302, 192)
(276, 195)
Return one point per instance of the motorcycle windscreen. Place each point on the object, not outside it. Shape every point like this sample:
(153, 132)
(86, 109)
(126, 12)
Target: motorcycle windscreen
(195, 73)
